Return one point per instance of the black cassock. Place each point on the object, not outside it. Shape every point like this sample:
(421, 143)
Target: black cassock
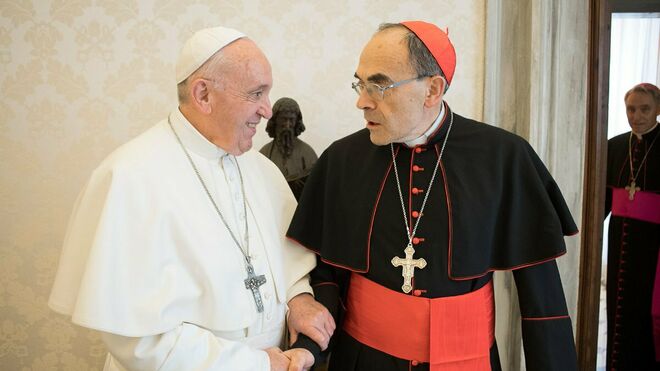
(632, 257)
(493, 206)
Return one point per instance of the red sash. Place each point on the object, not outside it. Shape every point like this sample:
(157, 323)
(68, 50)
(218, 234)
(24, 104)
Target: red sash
(645, 206)
(451, 333)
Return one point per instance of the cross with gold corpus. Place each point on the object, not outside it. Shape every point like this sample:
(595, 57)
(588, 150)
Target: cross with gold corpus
(631, 190)
(409, 264)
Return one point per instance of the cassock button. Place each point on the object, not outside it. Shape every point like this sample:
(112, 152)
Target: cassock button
(417, 191)
(417, 292)
(417, 168)
(415, 214)
(417, 240)
(414, 363)
(418, 150)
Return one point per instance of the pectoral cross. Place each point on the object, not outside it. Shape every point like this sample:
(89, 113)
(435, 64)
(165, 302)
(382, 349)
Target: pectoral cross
(631, 190)
(252, 282)
(409, 264)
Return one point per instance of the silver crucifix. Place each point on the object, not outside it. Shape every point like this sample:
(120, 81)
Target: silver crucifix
(409, 264)
(252, 282)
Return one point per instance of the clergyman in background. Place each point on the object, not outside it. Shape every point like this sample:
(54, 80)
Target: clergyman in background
(633, 267)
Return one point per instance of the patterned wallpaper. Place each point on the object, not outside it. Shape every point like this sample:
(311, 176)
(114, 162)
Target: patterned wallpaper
(80, 77)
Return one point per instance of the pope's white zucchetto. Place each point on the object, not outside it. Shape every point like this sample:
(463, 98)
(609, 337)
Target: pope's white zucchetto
(200, 47)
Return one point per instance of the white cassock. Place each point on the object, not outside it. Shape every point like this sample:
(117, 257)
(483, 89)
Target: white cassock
(148, 262)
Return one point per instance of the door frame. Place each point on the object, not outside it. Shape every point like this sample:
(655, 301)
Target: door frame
(593, 203)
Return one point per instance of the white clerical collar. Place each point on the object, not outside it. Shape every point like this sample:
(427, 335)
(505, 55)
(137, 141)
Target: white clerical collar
(639, 135)
(422, 139)
(192, 139)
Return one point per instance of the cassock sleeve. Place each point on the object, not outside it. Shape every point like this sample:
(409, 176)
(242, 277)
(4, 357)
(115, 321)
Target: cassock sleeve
(186, 347)
(328, 284)
(546, 327)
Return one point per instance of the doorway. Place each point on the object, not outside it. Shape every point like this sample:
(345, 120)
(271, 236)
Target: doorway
(601, 54)
(634, 58)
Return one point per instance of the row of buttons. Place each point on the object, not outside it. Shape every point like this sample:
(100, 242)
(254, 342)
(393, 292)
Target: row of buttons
(416, 214)
(621, 279)
(619, 298)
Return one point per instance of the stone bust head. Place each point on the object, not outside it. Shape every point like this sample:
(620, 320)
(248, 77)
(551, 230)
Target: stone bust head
(285, 124)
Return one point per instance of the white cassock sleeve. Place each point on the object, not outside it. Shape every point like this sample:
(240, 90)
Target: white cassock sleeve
(187, 347)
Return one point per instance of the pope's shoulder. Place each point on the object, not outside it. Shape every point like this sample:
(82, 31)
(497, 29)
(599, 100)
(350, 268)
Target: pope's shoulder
(153, 147)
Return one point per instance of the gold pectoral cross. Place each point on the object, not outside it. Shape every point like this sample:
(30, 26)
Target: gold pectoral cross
(409, 264)
(631, 190)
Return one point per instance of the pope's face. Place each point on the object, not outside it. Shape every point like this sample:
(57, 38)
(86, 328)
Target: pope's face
(642, 112)
(241, 99)
(397, 116)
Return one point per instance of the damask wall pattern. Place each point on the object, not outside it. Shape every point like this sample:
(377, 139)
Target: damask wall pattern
(80, 77)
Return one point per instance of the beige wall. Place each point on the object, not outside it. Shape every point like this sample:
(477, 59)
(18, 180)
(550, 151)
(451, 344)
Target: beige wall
(80, 77)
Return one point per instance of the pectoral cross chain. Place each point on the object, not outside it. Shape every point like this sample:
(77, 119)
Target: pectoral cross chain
(252, 282)
(631, 190)
(409, 264)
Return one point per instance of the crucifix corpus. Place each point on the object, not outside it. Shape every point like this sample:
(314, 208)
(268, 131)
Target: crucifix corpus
(409, 264)
(252, 282)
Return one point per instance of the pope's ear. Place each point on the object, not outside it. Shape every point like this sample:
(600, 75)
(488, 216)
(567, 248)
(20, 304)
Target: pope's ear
(199, 95)
(435, 91)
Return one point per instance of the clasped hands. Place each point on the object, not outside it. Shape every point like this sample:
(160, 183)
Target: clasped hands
(296, 359)
(311, 318)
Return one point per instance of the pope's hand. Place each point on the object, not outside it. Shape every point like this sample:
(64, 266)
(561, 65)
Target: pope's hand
(300, 359)
(278, 360)
(311, 318)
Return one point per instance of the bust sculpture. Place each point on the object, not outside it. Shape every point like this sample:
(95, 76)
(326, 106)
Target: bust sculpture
(292, 156)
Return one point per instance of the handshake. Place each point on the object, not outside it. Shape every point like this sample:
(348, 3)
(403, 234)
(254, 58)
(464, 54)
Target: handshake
(296, 359)
(311, 318)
